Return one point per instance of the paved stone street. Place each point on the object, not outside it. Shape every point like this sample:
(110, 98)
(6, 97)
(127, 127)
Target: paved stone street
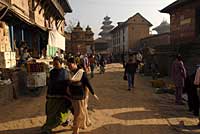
(119, 111)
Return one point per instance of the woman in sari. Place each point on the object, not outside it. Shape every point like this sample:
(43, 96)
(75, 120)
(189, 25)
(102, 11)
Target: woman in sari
(77, 90)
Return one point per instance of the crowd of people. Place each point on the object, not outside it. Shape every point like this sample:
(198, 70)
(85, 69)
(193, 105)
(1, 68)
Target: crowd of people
(183, 81)
(68, 89)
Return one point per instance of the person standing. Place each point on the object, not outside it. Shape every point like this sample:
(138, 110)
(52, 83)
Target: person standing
(102, 65)
(77, 91)
(130, 70)
(58, 103)
(92, 65)
(86, 63)
(178, 77)
(25, 56)
(197, 83)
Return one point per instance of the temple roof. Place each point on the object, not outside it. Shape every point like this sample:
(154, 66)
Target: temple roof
(163, 27)
(78, 28)
(89, 30)
(106, 18)
(107, 27)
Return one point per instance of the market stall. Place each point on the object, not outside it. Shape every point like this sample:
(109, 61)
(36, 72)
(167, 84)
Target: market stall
(37, 73)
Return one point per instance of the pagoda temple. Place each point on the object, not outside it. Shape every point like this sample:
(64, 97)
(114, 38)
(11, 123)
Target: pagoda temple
(104, 43)
(106, 28)
(164, 27)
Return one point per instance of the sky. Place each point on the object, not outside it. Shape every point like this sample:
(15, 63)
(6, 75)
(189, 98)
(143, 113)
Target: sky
(92, 12)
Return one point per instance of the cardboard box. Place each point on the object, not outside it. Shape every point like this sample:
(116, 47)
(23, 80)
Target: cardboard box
(8, 47)
(13, 55)
(6, 40)
(2, 47)
(1, 39)
(1, 32)
(5, 63)
(4, 56)
(13, 63)
(6, 30)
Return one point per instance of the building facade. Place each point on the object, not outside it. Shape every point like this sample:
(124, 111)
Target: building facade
(30, 20)
(82, 42)
(127, 35)
(185, 30)
(185, 21)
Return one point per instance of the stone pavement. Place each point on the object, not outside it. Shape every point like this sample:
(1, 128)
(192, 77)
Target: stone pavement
(119, 111)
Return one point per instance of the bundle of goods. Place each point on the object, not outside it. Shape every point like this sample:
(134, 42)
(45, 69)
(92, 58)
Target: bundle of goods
(7, 57)
(158, 83)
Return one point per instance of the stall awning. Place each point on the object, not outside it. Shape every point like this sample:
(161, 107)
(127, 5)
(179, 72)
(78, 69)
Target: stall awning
(56, 39)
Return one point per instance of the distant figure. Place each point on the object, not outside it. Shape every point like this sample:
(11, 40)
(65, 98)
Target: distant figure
(92, 64)
(178, 76)
(130, 70)
(154, 70)
(86, 63)
(102, 65)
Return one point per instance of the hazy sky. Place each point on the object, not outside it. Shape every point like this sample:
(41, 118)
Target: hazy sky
(92, 12)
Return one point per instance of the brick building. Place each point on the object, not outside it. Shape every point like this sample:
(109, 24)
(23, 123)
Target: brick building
(185, 30)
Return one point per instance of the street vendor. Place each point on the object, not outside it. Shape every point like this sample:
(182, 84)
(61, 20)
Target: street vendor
(25, 56)
(58, 104)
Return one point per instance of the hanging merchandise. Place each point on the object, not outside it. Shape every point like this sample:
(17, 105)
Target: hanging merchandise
(55, 41)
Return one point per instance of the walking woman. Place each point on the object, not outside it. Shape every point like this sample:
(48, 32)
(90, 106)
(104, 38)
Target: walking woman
(77, 90)
(129, 73)
(57, 104)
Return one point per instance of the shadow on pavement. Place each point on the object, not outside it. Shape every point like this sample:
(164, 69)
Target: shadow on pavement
(34, 130)
(132, 129)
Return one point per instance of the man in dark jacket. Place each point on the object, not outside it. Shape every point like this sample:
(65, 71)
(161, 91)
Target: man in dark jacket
(130, 70)
(57, 104)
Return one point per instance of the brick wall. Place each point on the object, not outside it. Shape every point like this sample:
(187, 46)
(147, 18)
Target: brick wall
(155, 40)
(183, 23)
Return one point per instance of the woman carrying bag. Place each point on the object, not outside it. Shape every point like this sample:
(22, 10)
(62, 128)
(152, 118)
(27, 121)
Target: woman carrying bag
(77, 91)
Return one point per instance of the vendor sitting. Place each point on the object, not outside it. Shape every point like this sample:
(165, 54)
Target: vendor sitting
(25, 56)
